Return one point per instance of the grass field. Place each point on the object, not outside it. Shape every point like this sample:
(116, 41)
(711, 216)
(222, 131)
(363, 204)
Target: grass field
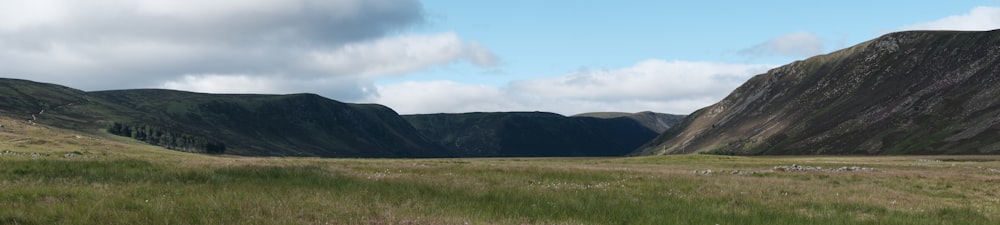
(83, 180)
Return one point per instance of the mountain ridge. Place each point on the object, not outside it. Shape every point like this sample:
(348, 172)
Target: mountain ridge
(303, 124)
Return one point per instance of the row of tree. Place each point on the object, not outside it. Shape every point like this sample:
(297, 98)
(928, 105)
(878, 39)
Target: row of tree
(167, 138)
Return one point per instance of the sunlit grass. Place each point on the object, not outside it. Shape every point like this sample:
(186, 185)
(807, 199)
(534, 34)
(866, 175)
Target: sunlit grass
(122, 183)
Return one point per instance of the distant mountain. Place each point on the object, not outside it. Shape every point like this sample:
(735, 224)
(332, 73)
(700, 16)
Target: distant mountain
(658, 122)
(518, 134)
(918, 92)
(257, 125)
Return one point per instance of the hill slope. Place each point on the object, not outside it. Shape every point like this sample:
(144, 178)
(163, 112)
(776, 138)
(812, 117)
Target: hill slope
(281, 125)
(914, 92)
(258, 125)
(515, 134)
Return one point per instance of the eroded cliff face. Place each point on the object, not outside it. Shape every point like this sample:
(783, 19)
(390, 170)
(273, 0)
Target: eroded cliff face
(918, 92)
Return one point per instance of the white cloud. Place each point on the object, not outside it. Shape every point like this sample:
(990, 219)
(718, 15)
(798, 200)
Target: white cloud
(978, 19)
(335, 48)
(646, 80)
(19, 14)
(400, 55)
(221, 83)
(206, 9)
(651, 85)
(345, 87)
(798, 44)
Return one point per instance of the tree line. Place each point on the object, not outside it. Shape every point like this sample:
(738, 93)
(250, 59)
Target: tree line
(167, 138)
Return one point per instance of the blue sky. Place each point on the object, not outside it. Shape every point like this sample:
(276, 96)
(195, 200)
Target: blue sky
(549, 38)
(433, 56)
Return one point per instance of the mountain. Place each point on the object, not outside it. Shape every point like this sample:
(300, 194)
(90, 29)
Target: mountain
(658, 122)
(519, 134)
(917, 92)
(254, 125)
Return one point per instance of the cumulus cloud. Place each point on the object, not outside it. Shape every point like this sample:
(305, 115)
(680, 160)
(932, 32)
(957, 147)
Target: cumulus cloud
(399, 55)
(978, 19)
(798, 44)
(656, 85)
(224, 45)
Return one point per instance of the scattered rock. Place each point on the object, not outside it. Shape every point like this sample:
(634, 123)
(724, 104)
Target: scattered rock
(32, 154)
(72, 155)
(731, 172)
(853, 168)
(800, 168)
(928, 160)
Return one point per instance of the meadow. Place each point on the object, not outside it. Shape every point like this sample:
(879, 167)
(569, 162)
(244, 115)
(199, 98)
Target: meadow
(76, 179)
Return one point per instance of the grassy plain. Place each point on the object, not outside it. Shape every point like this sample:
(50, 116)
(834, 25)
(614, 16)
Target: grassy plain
(120, 182)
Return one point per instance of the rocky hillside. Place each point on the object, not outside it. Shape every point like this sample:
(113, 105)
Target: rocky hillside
(516, 134)
(919, 92)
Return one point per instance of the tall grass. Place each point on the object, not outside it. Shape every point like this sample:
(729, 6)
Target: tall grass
(658, 190)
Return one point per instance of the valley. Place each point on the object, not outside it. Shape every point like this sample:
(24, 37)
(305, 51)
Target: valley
(885, 132)
(415, 112)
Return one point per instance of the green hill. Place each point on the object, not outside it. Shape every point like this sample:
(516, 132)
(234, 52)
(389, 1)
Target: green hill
(259, 125)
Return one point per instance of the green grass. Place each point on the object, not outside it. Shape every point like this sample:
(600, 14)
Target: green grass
(127, 183)
(652, 190)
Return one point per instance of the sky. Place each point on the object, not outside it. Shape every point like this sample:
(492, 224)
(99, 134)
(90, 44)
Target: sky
(450, 56)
